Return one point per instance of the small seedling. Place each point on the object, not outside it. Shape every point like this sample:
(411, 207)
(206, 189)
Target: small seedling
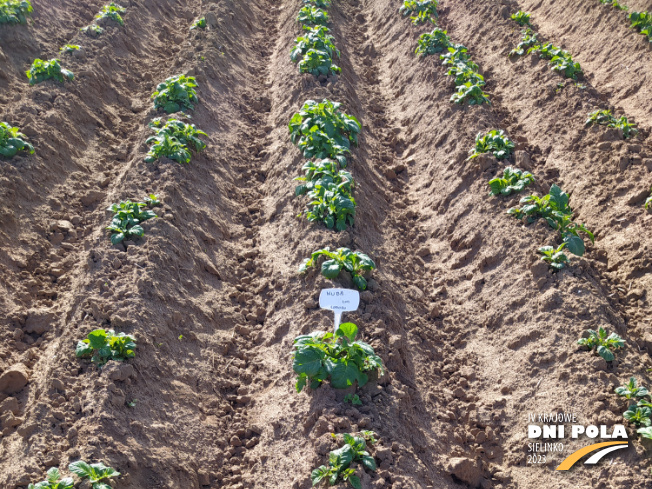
(112, 11)
(199, 24)
(638, 415)
(648, 201)
(606, 118)
(127, 219)
(354, 262)
(602, 343)
(152, 200)
(494, 142)
(104, 345)
(174, 140)
(15, 11)
(339, 461)
(528, 41)
(46, 70)
(54, 481)
(69, 48)
(354, 399)
(420, 10)
(310, 15)
(631, 390)
(521, 18)
(176, 93)
(92, 30)
(99, 475)
(12, 141)
(513, 180)
(132, 403)
(556, 258)
(336, 357)
(645, 432)
(614, 4)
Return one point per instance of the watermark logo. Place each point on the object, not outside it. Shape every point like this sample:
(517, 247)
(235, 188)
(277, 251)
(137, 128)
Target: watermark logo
(553, 427)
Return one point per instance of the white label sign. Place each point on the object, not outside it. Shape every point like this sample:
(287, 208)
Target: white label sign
(339, 300)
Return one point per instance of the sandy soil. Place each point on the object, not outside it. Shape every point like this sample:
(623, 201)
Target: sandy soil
(475, 332)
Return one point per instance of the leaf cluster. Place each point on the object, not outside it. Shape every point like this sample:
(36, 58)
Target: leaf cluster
(340, 460)
(98, 475)
(12, 141)
(468, 80)
(314, 51)
(602, 343)
(112, 11)
(495, 142)
(648, 201)
(54, 481)
(433, 42)
(127, 219)
(554, 257)
(46, 70)
(104, 345)
(606, 118)
(521, 18)
(642, 22)
(337, 357)
(321, 130)
(92, 30)
(310, 15)
(420, 10)
(174, 140)
(614, 4)
(513, 180)
(554, 208)
(560, 59)
(15, 11)
(528, 42)
(176, 93)
(354, 262)
(199, 24)
(69, 48)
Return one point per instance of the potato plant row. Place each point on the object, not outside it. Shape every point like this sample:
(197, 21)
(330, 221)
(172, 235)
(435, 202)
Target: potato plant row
(640, 21)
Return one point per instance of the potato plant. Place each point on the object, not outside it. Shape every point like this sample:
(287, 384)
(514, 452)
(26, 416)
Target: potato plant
(468, 80)
(495, 142)
(554, 208)
(48, 70)
(420, 10)
(354, 262)
(606, 118)
(312, 16)
(314, 52)
(433, 42)
(642, 22)
(631, 390)
(648, 201)
(174, 139)
(521, 18)
(331, 205)
(555, 257)
(15, 11)
(336, 357)
(601, 343)
(92, 30)
(528, 42)
(12, 141)
(322, 173)
(69, 48)
(614, 4)
(176, 93)
(339, 462)
(112, 11)
(638, 416)
(198, 24)
(513, 180)
(320, 130)
(560, 59)
(98, 475)
(104, 345)
(54, 481)
(127, 219)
